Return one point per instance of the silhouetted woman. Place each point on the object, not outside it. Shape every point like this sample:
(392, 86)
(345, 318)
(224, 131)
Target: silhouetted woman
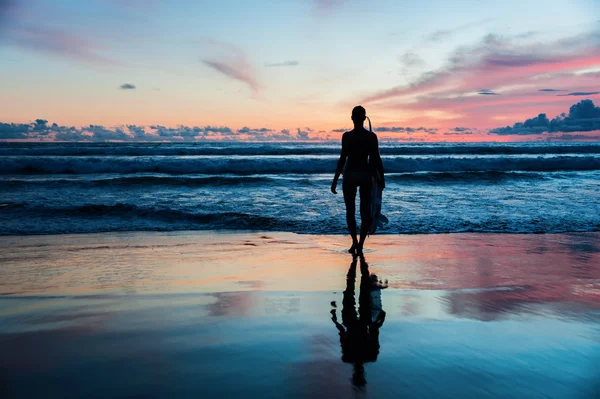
(360, 155)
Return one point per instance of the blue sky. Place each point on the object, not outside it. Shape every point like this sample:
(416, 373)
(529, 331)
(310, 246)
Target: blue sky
(296, 63)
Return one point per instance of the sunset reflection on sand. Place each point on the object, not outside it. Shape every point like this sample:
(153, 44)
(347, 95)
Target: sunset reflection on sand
(248, 313)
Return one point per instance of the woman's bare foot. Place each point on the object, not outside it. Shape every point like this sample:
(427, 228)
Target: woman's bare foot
(353, 248)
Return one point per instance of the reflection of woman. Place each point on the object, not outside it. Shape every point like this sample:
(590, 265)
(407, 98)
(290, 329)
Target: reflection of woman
(359, 334)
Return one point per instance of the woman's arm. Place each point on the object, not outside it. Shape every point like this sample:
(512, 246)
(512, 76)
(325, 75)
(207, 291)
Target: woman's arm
(340, 167)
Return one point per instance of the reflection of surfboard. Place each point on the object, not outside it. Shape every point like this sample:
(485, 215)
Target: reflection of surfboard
(378, 220)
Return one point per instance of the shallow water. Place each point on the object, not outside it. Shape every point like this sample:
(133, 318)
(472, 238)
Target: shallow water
(229, 315)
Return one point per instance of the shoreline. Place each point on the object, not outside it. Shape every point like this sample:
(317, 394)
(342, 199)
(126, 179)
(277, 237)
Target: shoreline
(275, 232)
(220, 261)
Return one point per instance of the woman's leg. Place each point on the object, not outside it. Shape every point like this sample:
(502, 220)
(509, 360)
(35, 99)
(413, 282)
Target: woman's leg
(350, 201)
(365, 214)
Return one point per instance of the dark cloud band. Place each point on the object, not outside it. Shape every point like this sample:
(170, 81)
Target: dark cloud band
(42, 130)
(583, 117)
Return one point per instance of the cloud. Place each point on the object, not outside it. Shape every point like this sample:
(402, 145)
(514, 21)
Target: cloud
(550, 90)
(456, 133)
(289, 63)
(138, 132)
(234, 71)
(526, 35)
(167, 133)
(495, 61)
(516, 60)
(594, 74)
(427, 80)
(393, 129)
(400, 139)
(85, 34)
(127, 86)
(40, 129)
(266, 134)
(441, 34)
(247, 130)
(302, 134)
(459, 131)
(100, 133)
(580, 93)
(487, 92)
(234, 64)
(323, 6)
(396, 129)
(570, 137)
(411, 60)
(585, 109)
(408, 130)
(583, 117)
(55, 42)
(262, 133)
(13, 131)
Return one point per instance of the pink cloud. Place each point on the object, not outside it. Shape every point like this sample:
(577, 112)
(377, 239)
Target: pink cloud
(233, 63)
(237, 71)
(56, 42)
(498, 62)
(516, 73)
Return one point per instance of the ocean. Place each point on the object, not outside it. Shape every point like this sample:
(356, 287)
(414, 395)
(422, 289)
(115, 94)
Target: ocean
(54, 188)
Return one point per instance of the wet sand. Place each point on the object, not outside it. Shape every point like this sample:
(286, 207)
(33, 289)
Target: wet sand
(212, 314)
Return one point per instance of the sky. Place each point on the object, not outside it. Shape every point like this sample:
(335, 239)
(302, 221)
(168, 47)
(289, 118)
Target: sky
(429, 70)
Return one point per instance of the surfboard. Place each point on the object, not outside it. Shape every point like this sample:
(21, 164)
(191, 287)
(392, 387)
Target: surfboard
(377, 219)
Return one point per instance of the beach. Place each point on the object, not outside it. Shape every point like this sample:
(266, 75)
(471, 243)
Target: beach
(230, 314)
(186, 188)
